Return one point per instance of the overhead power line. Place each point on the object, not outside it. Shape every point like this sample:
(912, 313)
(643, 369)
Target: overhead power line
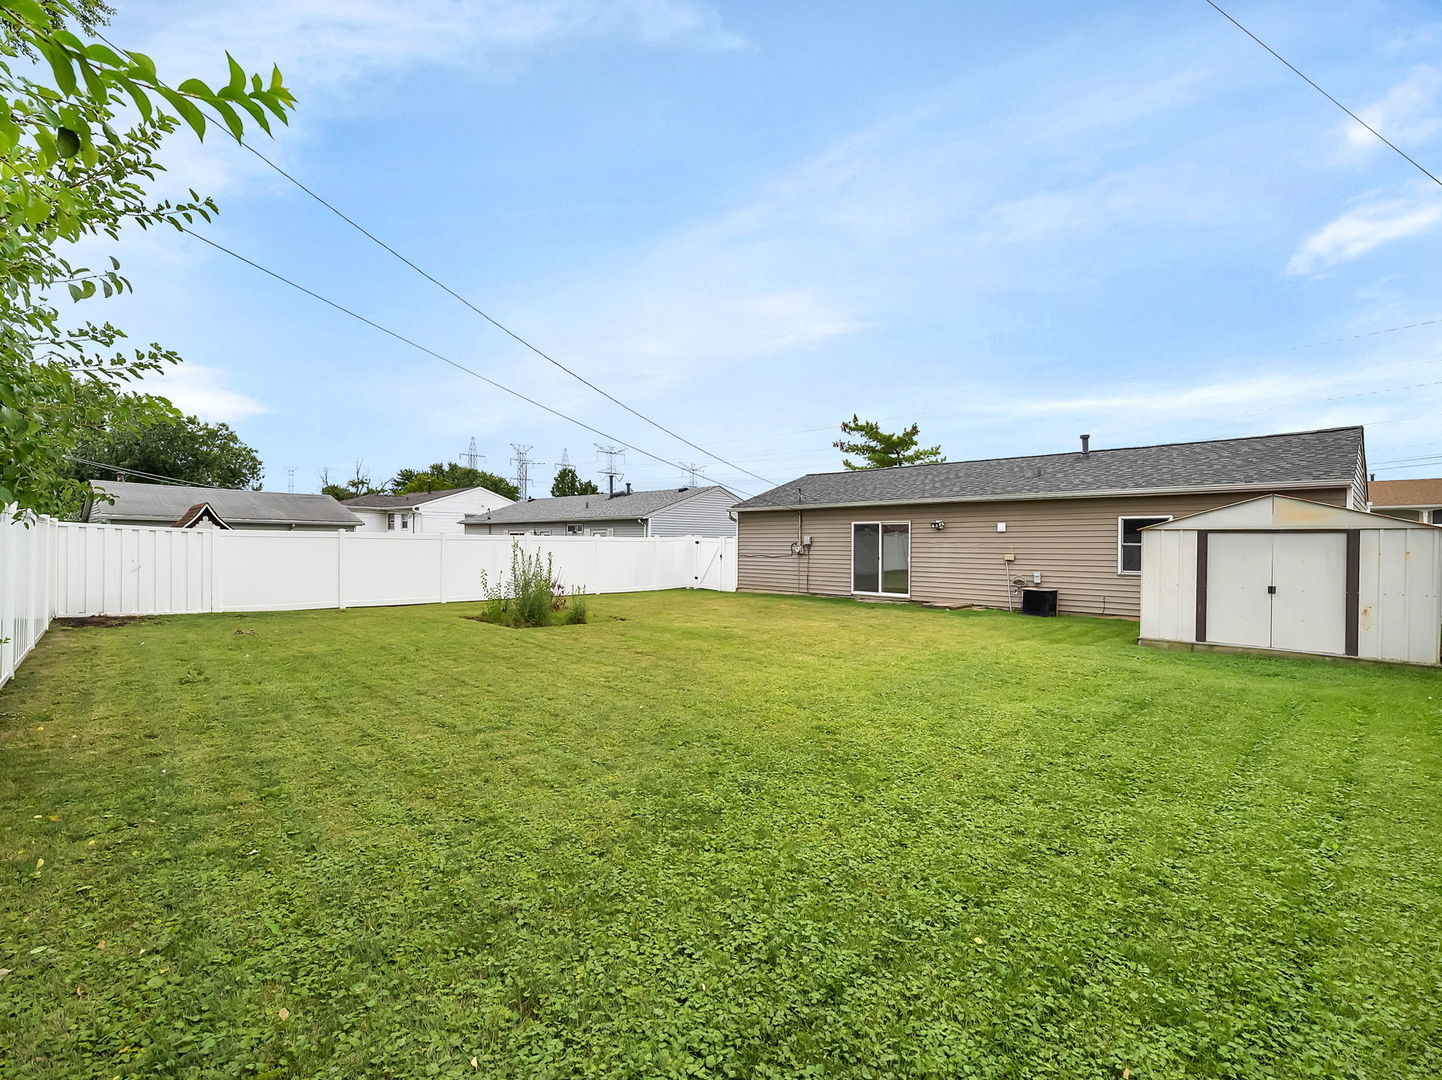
(1400, 152)
(1370, 333)
(156, 477)
(439, 356)
(490, 319)
(494, 322)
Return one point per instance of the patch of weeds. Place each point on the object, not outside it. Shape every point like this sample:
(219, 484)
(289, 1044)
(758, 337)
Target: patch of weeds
(530, 595)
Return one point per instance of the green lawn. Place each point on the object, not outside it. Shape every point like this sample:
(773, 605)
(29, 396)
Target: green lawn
(712, 835)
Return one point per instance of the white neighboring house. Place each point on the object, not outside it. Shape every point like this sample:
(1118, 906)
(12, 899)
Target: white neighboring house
(423, 513)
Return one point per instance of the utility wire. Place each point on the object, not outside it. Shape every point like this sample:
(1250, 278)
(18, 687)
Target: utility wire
(1370, 333)
(157, 477)
(444, 359)
(494, 322)
(1402, 153)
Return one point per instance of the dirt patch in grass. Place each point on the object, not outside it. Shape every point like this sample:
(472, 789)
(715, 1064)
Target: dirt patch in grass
(99, 620)
(508, 626)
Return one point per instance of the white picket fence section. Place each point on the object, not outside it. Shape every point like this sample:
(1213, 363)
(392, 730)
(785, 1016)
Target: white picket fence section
(55, 568)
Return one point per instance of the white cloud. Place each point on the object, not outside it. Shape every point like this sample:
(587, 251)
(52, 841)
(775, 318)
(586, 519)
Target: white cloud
(325, 44)
(1365, 226)
(203, 391)
(1406, 114)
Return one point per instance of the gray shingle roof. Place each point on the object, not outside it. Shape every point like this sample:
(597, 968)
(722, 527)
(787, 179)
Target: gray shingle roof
(638, 504)
(392, 502)
(1329, 455)
(167, 502)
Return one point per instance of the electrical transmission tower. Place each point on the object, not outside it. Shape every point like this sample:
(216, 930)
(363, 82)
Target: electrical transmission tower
(609, 470)
(692, 469)
(290, 478)
(523, 468)
(470, 455)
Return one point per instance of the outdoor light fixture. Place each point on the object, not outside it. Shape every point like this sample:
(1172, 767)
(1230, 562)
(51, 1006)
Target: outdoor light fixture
(938, 525)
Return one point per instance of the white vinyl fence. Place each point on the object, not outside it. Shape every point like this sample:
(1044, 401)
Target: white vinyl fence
(27, 586)
(72, 569)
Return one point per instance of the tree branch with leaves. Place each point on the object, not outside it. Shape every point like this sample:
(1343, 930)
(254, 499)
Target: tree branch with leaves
(76, 158)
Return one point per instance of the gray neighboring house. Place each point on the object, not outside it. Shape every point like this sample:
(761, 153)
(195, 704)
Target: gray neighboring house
(180, 506)
(698, 511)
(975, 533)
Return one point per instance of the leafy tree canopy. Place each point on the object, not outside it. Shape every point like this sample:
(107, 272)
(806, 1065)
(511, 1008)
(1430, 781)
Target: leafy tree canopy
(441, 476)
(568, 483)
(71, 169)
(182, 447)
(879, 449)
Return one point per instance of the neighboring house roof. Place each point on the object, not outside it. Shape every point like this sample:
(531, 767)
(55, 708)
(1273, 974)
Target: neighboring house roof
(1299, 458)
(170, 502)
(1406, 493)
(638, 504)
(401, 502)
(195, 513)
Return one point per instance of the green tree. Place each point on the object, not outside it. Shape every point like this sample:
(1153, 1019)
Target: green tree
(359, 484)
(568, 483)
(69, 170)
(882, 450)
(182, 447)
(442, 476)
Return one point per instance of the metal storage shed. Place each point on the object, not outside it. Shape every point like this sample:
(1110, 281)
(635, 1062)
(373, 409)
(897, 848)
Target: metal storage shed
(1286, 575)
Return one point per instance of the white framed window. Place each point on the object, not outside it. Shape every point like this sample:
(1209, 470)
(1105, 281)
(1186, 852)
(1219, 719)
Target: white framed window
(1129, 541)
(881, 558)
(391, 524)
(518, 534)
(600, 532)
(405, 521)
(575, 530)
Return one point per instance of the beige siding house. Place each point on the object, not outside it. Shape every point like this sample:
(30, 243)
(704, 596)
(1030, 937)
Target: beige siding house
(977, 532)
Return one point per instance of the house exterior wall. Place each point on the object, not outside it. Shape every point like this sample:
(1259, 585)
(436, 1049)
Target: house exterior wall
(371, 520)
(707, 514)
(444, 515)
(1072, 543)
(1357, 497)
(618, 527)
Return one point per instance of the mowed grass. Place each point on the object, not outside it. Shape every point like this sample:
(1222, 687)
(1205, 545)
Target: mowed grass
(712, 835)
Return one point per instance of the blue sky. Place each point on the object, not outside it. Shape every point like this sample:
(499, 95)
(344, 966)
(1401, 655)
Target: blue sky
(1013, 223)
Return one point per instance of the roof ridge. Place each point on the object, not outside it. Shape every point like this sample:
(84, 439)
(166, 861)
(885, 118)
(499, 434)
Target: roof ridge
(1077, 453)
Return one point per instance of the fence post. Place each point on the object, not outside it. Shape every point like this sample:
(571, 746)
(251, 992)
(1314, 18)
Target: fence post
(8, 546)
(340, 535)
(441, 569)
(209, 573)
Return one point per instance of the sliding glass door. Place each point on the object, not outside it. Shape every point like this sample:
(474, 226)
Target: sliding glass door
(881, 558)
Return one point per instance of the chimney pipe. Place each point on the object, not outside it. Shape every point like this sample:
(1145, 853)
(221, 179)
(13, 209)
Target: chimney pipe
(1086, 445)
(628, 487)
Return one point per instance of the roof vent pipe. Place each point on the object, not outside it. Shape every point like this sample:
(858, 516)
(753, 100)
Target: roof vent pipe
(1086, 445)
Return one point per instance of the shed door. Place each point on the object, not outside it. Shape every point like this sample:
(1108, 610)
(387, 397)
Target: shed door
(1278, 590)
(1239, 572)
(1309, 611)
